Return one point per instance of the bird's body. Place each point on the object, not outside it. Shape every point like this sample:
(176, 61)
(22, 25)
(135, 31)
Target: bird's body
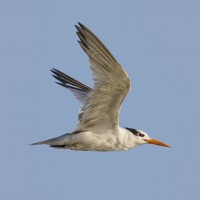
(100, 140)
(98, 128)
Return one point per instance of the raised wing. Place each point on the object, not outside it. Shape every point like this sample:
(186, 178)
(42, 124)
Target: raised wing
(79, 90)
(111, 84)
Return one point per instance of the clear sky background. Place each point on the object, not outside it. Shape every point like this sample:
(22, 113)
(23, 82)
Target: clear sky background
(158, 44)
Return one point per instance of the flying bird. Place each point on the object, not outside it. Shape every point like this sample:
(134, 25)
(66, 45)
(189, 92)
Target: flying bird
(98, 120)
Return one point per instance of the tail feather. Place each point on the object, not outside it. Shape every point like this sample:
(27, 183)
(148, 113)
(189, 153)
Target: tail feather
(57, 141)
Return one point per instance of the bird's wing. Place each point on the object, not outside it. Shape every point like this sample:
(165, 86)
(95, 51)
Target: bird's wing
(77, 88)
(111, 84)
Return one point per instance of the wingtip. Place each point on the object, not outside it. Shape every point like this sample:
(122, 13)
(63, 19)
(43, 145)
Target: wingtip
(60, 83)
(53, 70)
(77, 27)
(80, 24)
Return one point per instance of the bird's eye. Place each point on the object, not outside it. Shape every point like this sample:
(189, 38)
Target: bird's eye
(141, 134)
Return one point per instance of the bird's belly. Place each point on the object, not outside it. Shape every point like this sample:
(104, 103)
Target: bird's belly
(87, 141)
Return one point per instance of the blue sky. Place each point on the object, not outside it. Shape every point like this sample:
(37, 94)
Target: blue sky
(157, 42)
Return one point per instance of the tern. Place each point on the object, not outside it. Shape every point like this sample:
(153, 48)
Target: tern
(98, 120)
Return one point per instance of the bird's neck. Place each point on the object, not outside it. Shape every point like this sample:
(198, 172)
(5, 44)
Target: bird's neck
(128, 139)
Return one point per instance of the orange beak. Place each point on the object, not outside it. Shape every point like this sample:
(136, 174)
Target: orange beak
(156, 142)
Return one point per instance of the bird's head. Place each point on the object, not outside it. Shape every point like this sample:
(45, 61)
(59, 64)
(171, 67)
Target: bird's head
(141, 137)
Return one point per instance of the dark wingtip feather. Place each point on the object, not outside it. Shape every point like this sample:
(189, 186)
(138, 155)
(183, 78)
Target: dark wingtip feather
(52, 69)
(67, 80)
(55, 70)
(77, 27)
(61, 79)
(60, 84)
(81, 25)
(68, 86)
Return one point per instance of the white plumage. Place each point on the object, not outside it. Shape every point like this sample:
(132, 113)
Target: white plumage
(98, 121)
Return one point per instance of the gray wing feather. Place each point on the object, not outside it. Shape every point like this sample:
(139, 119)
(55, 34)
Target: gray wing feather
(111, 84)
(80, 95)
